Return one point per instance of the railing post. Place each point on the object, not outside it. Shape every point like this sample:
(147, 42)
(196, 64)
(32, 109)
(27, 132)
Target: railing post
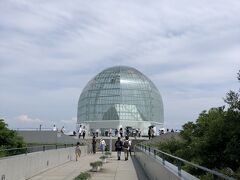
(163, 159)
(26, 151)
(215, 177)
(179, 167)
(3, 177)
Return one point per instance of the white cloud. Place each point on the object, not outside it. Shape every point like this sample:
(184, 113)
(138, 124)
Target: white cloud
(50, 49)
(72, 121)
(26, 119)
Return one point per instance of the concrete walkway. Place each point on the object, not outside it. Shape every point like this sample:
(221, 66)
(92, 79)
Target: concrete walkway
(112, 170)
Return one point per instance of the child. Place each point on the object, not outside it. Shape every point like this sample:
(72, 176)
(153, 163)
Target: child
(78, 151)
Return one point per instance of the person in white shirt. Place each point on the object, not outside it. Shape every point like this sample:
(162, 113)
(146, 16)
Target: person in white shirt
(102, 145)
(80, 132)
(63, 130)
(130, 146)
(54, 128)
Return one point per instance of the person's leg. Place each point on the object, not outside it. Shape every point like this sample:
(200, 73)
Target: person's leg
(118, 154)
(125, 154)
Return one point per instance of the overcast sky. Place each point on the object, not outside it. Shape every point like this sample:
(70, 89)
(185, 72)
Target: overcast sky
(49, 50)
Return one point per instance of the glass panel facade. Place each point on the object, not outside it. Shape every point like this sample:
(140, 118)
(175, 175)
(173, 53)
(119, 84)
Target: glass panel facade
(120, 93)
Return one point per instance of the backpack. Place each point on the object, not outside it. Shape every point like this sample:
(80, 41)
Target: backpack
(126, 144)
(118, 145)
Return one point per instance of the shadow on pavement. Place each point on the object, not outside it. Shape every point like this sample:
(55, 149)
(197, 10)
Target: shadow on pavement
(140, 171)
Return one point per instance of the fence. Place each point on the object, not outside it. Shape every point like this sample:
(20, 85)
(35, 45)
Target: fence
(31, 149)
(178, 162)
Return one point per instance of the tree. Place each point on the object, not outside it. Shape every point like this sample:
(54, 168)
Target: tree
(9, 138)
(213, 140)
(233, 98)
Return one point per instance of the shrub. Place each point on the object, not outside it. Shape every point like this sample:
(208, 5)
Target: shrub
(103, 157)
(83, 176)
(107, 153)
(96, 163)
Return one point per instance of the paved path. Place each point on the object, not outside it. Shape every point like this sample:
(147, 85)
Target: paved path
(112, 170)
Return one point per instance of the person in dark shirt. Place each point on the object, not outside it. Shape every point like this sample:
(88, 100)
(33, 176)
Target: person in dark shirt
(94, 142)
(118, 147)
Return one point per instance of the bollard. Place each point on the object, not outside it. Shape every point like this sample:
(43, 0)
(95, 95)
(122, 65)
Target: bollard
(154, 152)
(43, 148)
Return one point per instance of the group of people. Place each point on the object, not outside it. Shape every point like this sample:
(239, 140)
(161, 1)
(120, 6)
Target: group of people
(102, 144)
(81, 132)
(123, 145)
(56, 129)
(120, 145)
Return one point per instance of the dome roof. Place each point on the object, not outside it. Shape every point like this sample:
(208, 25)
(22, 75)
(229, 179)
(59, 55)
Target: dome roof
(120, 93)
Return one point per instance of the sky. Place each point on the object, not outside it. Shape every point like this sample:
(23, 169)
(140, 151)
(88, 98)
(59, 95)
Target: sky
(49, 50)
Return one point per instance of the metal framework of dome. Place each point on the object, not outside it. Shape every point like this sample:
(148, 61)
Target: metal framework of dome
(120, 96)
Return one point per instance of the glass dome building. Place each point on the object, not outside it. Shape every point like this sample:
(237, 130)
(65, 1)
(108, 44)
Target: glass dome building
(120, 96)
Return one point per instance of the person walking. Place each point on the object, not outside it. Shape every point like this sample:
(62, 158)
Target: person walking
(121, 132)
(118, 147)
(149, 132)
(152, 132)
(130, 146)
(102, 145)
(54, 128)
(126, 147)
(94, 142)
(116, 132)
(83, 132)
(63, 130)
(80, 132)
(77, 151)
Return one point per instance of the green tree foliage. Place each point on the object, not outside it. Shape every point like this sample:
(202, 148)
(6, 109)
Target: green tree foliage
(9, 138)
(213, 140)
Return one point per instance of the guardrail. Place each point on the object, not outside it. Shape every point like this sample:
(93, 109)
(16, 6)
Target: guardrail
(179, 161)
(33, 129)
(31, 149)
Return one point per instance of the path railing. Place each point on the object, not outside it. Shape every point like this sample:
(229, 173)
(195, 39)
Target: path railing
(179, 162)
(31, 149)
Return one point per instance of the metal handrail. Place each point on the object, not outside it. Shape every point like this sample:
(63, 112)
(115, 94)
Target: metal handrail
(30, 129)
(37, 148)
(150, 149)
